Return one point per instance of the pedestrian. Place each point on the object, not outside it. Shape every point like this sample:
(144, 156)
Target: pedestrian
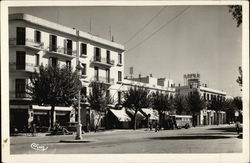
(237, 126)
(156, 126)
(33, 129)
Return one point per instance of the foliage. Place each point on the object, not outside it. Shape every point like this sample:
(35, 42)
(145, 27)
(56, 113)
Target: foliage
(237, 101)
(97, 97)
(239, 80)
(136, 97)
(161, 102)
(236, 11)
(180, 104)
(54, 86)
(195, 103)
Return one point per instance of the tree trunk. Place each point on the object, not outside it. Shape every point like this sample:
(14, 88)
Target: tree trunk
(194, 119)
(135, 119)
(52, 121)
(218, 118)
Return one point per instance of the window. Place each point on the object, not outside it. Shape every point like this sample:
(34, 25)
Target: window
(20, 36)
(53, 43)
(84, 70)
(108, 56)
(96, 74)
(83, 49)
(20, 60)
(204, 96)
(120, 58)
(37, 36)
(108, 75)
(68, 46)
(53, 61)
(119, 97)
(68, 64)
(20, 88)
(119, 76)
(97, 54)
(207, 96)
(36, 59)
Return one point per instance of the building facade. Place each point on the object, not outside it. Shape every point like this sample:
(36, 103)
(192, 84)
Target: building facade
(34, 41)
(205, 116)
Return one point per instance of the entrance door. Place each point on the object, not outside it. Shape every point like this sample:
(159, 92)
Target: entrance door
(20, 119)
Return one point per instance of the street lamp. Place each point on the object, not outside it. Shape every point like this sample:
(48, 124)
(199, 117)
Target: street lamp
(78, 68)
(79, 125)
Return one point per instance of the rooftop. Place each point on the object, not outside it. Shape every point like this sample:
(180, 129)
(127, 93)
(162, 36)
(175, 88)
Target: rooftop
(51, 25)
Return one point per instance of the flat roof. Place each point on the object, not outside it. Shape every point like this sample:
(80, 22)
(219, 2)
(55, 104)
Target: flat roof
(64, 29)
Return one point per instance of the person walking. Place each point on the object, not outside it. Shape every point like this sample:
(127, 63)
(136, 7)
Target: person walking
(237, 125)
(33, 128)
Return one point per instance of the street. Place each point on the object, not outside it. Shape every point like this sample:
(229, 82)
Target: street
(205, 139)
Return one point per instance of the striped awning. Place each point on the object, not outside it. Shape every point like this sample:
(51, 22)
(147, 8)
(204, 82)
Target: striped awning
(57, 108)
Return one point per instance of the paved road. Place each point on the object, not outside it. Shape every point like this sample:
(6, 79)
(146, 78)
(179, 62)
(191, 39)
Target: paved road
(208, 139)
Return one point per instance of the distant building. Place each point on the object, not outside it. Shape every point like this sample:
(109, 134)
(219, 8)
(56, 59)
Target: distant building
(193, 84)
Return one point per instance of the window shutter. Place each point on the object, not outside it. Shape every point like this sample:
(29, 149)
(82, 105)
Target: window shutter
(50, 42)
(65, 46)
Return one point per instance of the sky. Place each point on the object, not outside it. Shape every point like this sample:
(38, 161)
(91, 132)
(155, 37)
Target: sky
(165, 41)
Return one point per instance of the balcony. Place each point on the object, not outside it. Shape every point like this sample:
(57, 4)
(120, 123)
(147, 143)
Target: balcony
(119, 64)
(29, 43)
(102, 61)
(102, 79)
(29, 67)
(59, 51)
(19, 95)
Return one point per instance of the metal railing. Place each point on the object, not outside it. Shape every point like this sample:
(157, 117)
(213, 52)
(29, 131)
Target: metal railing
(14, 94)
(61, 50)
(103, 79)
(103, 60)
(27, 66)
(27, 42)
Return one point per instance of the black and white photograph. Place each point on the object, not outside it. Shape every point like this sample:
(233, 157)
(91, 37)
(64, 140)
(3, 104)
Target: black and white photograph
(154, 82)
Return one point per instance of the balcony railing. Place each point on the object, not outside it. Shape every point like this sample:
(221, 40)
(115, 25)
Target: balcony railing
(61, 51)
(103, 79)
(25, 67)
(28, 43)
(103, 61)
(14, 94)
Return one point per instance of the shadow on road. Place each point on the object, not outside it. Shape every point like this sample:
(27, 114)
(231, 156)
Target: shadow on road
(190, 137)
(226, 129)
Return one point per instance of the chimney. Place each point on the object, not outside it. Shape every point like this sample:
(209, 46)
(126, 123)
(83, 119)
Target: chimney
(179, 84)
(113, 39)
(139, 75)
(205, 85)
(151, 75)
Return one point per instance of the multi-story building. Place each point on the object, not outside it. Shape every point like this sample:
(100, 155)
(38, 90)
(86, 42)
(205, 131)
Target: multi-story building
(193, 84)
(34, 41)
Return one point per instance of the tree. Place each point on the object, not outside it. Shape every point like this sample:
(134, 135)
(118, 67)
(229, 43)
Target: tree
(98, 99)
(195, 103)
(239, 79)
(236, 11)
(161, 103)
(180, 104)
(136, 97)
(54, 86)
(217, 105)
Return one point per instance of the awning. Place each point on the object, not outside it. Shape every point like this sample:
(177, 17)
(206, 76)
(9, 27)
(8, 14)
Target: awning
(139, 115)
(57, 108)
(121, 115)
(153, 113)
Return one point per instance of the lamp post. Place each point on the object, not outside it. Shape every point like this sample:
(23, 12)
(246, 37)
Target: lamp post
(78, 68)
(79, 125)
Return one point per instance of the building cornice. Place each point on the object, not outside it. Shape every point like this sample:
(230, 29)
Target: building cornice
(67, 30)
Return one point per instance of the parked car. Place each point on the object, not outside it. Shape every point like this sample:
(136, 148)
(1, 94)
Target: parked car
(182, 121)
